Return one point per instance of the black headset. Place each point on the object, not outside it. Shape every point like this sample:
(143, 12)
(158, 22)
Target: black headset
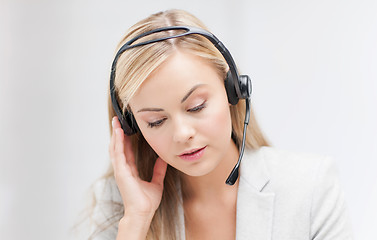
(237, 86)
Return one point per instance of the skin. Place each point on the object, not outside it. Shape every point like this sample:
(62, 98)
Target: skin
(181, 107)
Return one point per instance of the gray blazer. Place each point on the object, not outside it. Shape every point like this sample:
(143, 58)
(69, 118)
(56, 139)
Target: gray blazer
(281, 196)
(289, 196)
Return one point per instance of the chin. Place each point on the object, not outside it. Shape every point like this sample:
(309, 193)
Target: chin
(200, 169)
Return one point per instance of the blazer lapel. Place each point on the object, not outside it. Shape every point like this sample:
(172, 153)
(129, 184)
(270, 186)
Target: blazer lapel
(254, 207)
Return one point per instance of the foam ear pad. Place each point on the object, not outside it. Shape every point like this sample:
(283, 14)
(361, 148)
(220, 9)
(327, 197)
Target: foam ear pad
(129, 124)
(230, 89)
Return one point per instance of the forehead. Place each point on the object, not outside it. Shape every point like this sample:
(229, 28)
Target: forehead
(177, 75)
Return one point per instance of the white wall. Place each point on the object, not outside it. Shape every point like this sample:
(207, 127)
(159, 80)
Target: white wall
(314, 69)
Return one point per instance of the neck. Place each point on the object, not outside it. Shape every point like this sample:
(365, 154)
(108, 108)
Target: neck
(212, 186)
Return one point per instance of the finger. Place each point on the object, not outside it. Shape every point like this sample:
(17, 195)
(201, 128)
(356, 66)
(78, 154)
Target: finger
(115, 122)
(130, 156)
(126, 182)
(127, 146)
(159, 172)
(112, 140)
(120, 166)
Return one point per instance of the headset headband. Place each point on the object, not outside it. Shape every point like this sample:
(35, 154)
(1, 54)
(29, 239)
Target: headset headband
(188, 31)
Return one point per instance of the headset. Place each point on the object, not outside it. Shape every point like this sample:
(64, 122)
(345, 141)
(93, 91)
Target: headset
(237, 86)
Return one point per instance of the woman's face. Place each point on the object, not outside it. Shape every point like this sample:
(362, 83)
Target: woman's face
(182, 111)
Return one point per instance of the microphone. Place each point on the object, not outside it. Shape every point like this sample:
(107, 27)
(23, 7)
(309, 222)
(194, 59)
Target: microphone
(234, 174)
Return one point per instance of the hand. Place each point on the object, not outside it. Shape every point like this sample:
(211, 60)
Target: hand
(140, 198)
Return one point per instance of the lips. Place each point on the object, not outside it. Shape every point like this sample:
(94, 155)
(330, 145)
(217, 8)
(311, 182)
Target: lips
(193, 154)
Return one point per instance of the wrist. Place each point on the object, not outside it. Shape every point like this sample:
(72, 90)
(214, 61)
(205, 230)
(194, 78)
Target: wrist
(135, 226)
(138, 216)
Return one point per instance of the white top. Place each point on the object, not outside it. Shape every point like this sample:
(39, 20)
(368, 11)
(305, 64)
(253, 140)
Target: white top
(281, 196)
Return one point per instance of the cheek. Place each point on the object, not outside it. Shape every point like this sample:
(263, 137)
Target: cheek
(218, 125)
(158, 143)
(161, 144)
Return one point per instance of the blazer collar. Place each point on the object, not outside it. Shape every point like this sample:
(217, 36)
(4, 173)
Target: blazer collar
(253, 169)
(254, 205)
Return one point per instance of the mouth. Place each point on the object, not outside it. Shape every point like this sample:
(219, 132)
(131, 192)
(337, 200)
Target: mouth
(193, 154)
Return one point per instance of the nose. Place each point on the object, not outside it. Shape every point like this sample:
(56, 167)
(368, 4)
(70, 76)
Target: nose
(183, 130)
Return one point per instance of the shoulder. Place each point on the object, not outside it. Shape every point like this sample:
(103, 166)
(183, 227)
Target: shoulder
(290, 173)
(279, 158)
(282, 165)
(306, 190)
(107, 199)
(301, 173)
(105, 189)
(294, 178)
(107, 209)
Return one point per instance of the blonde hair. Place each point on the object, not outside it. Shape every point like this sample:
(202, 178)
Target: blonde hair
(133, 68)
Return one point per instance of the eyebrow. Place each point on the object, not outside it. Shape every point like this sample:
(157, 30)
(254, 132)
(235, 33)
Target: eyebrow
(190, 92)
(182, 101)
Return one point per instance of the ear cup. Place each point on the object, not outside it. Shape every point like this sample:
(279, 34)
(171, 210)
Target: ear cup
(245, 86)
(230, 89)
(129, 124)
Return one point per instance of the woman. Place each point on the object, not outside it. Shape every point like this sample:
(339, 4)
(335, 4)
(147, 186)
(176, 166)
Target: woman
(185, 127)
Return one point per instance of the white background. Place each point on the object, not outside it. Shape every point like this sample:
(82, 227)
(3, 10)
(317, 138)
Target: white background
(314, 70)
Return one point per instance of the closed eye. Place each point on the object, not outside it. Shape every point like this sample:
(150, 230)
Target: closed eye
(198, 108)
(193, 110)
(156, 123)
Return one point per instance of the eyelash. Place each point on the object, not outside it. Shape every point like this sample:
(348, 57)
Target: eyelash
(156, 123)
(192, 110)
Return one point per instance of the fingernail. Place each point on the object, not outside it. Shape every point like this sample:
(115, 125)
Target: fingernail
(112, 122)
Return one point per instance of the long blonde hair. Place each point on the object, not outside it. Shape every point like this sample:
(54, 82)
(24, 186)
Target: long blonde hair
(133, 68)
